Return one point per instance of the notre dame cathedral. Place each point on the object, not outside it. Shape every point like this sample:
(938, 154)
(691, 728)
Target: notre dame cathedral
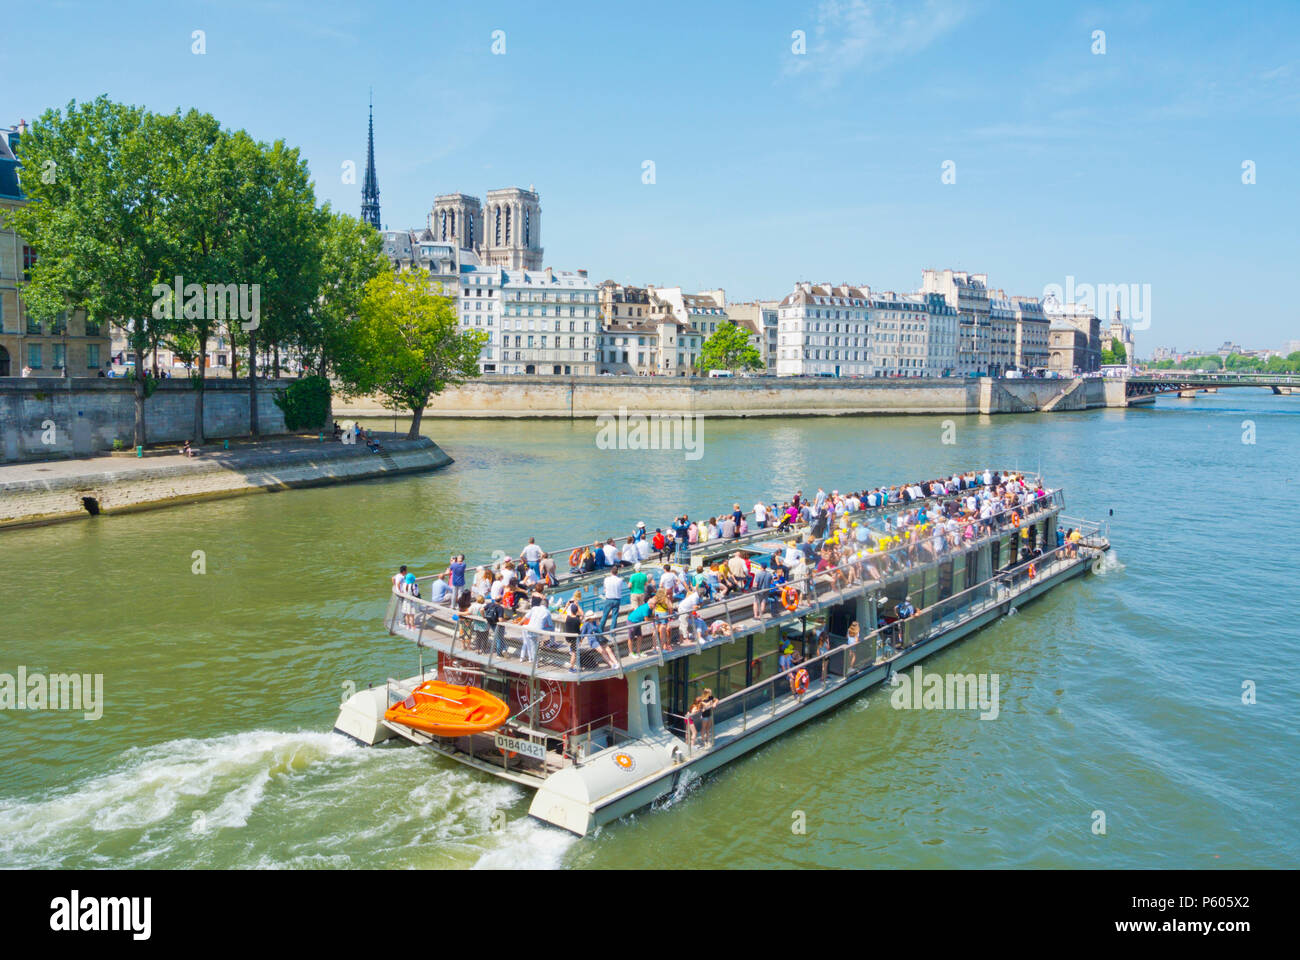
(505, 232)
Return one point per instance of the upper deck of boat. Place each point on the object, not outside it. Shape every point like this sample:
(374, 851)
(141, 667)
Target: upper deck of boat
(515, 648)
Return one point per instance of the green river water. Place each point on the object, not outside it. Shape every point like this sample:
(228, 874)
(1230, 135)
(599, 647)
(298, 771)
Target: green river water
(1120, 692)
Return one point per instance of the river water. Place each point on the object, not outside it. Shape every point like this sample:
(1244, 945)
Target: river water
(1121, 694)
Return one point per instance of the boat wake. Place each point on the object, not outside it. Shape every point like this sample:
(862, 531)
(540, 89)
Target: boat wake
(307, 799)
(1109, 562)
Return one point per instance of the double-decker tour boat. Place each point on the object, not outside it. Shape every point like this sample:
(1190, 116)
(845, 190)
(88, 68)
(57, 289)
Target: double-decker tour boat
(787, 622)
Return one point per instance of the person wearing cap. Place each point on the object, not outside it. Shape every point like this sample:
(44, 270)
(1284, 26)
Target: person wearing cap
(636, 585)
(597, 641)
(681, 530)
(904, 610)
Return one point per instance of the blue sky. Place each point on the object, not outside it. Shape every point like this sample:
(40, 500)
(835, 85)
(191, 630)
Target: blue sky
(770, 166)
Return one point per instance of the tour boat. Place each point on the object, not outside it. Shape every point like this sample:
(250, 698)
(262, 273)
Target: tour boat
(600, 732)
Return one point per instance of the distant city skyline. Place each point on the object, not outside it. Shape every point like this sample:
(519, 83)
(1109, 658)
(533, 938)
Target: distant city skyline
(798, 142)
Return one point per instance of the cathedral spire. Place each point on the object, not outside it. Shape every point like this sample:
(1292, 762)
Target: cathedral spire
(370, 186)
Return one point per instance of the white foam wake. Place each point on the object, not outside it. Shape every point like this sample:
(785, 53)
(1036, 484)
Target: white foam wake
(153, 783)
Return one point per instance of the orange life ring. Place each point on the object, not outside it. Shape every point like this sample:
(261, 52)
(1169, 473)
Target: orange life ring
(575, 557)
(1015, 519)
(786, 594)
(1033, 571)
(800, 683)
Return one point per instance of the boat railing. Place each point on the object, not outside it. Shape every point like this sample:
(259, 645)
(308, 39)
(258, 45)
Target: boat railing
(765, 698)
(615, 649)
(561, 555)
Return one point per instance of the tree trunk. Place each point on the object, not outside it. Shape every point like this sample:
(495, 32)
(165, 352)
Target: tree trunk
(139, 397)
(198, 400)
(252, 384)
(416, 414)
(275, 362)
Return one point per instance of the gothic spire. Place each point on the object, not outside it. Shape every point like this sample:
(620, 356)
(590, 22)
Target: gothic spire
(370, 186)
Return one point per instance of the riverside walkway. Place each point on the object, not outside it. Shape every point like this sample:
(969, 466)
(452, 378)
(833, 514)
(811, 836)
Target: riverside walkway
(45, 491)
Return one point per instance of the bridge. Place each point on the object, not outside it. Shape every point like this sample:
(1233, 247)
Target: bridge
(1181, 382)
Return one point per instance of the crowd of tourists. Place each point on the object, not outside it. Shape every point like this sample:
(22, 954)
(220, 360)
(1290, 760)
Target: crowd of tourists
(822, 543)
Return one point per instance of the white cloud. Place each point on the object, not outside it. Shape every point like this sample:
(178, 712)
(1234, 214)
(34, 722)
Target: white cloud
(865, 35)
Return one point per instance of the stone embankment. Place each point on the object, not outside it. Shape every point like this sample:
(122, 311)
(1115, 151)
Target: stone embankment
(510, 397)
(53, 490)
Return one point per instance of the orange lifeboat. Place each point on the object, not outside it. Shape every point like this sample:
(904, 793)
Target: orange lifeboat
(448, 710)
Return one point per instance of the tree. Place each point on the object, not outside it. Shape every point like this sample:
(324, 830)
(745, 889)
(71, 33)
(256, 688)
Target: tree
(282, 249)
(405, 345)
(96, 221)
(208, 177)
(351, 255)
(728, 348)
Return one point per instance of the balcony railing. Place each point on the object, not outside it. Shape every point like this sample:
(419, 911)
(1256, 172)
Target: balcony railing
(522, 649)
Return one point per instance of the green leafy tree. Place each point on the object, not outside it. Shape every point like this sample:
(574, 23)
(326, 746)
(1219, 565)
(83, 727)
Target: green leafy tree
(97, 222)
(405, 344)
(351, 256)
(728, 348)
(282, 249)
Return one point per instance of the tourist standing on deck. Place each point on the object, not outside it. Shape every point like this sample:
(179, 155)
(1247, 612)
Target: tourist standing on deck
(456, 577)
(636, 585)
(681, 530)
(613, 594)
(532, 555)
(760, 515)
(762, 581)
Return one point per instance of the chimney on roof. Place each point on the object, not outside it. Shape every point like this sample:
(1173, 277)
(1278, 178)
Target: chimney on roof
(550, 274)
(582, 273)
(22, 126)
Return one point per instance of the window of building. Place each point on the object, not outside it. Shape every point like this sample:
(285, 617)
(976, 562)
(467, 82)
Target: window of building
(34, 356)
(92, 357)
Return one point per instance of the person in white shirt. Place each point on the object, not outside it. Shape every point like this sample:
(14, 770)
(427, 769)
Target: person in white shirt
(668, 581)
(613, 587)
(760, 515)
(643, 549)
(539, 618)
(688, 623)
(630, 554)
(611, 554)
(531, 554)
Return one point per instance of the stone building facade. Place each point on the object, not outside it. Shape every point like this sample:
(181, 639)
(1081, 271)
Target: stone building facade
(68, 345)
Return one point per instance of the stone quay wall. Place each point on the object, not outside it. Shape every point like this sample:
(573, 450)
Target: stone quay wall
(45, 417)
(510, 397)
